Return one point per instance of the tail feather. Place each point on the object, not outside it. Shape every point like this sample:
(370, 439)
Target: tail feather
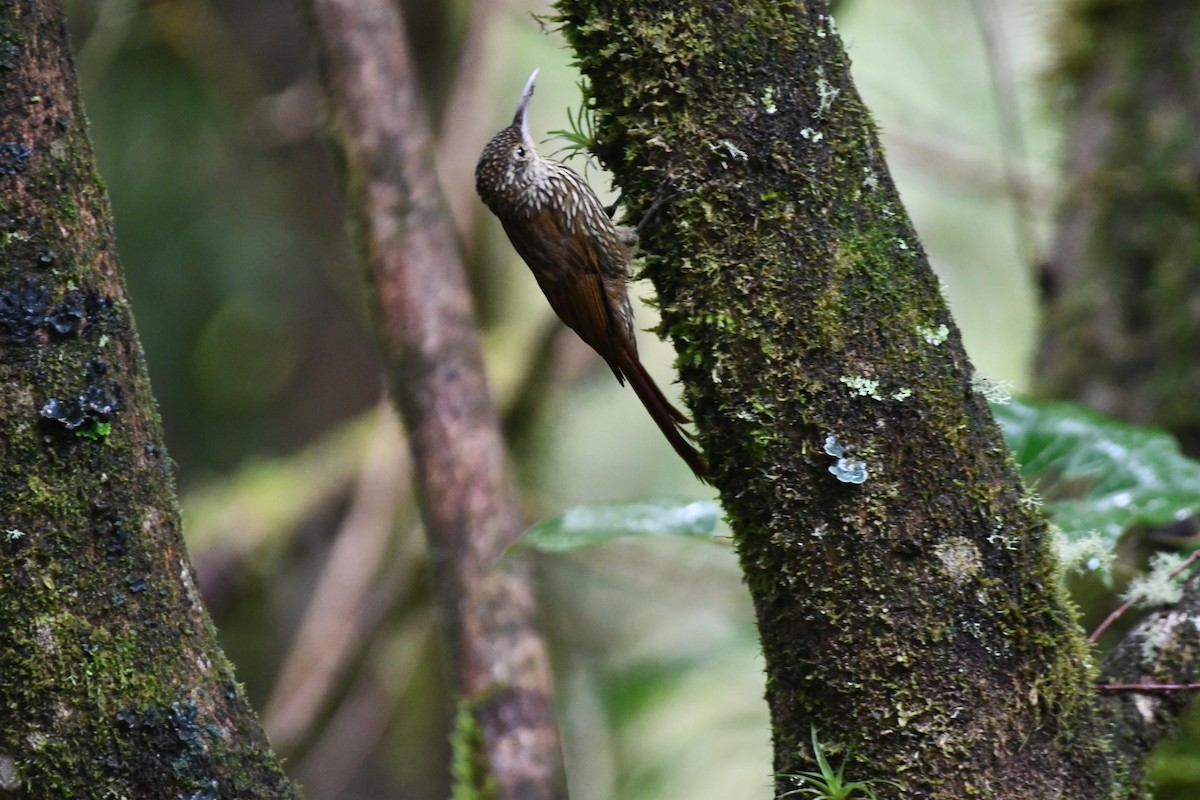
(665, 415)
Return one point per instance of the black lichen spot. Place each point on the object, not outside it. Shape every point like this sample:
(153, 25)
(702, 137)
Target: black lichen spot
(10, 56)
(68, 412)
(128, 718)
(23, 309)
(178, 723)
(98, 309)
(135, 583)
(67, 317)
(101, 402)
(14, 157)
(26, 310)
(182, 717)
(118, 543)
(115, 536)
(209, 793)
(96, 404)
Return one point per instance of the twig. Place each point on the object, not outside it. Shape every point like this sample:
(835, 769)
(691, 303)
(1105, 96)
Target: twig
(360, 720)
(1146, 687)
(326, 637)
(1012, 140)
(1120, 612)
(465, 117)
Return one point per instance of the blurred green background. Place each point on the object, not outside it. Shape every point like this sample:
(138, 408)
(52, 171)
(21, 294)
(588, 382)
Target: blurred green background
(207, 124)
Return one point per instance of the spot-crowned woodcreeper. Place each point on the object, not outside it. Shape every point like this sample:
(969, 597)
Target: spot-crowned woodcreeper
(579, 257)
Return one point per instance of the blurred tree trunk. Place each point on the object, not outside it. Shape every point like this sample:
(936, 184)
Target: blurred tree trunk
(906, 593)
(1122, 300)
(111, 680)
(506, 741)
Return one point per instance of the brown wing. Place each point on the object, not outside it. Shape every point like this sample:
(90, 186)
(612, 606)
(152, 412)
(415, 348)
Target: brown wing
(571, 272)
(583, 277)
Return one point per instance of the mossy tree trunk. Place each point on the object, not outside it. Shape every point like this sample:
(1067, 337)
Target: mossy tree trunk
(1122, 303)
(111, 680)
(906, 593)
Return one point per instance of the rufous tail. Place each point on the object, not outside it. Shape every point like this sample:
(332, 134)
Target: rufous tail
(666, 416)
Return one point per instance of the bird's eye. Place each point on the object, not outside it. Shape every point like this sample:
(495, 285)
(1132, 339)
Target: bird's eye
(520, 152)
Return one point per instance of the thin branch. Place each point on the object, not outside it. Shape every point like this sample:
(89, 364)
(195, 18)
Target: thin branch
(1143, 688)
(327, 637)
(360, 721)
(1121, 611)
(1012, 140)
(466, 115)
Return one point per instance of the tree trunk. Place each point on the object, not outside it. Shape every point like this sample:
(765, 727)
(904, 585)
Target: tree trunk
(1122, 300)
(111, 680)
(906, 594)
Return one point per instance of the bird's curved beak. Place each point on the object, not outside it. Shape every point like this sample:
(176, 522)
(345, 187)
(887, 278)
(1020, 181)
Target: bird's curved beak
(521, 118)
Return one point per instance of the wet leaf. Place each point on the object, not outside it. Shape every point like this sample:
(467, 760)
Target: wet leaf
(1097, 475)
(584, 526)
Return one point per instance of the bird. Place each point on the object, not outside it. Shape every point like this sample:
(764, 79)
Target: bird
(579, 257)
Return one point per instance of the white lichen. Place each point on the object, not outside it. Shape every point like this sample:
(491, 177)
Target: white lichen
(10, 781)
(826, 93)
(998, 392)
(846, 470)
(1156, 635)
(933, 336)
(1157, 587)
(849, 471)
(1089, 553)
(768, 100)
(831, 23)
(730, 148)
(862, 386)
(960, 558)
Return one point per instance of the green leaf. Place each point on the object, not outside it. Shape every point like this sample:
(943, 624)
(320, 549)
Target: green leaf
(584, 526)
(1097, 475)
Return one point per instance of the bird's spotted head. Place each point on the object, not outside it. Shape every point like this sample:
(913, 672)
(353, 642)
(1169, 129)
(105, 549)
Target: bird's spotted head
(510, 163)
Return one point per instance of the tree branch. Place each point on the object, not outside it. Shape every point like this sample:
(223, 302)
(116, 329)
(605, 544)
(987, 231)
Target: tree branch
(1162, 650)
(436, 373)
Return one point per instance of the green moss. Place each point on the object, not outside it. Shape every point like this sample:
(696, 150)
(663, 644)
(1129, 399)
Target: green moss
(472, 777)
